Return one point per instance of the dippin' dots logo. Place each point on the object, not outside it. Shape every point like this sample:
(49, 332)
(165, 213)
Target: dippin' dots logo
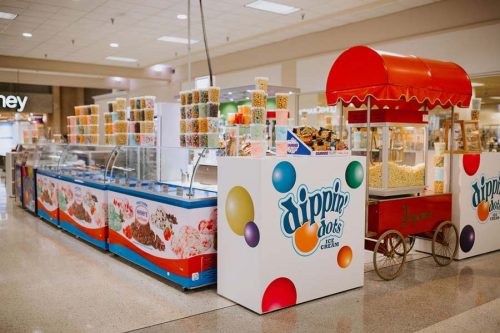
(484, 192)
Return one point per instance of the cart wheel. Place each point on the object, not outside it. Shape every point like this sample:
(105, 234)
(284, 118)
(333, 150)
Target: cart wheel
(388, 263)
(410, 242)
(445, 243)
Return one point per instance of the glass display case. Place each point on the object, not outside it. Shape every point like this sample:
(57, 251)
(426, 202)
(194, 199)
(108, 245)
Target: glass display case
(490, 135)
(48, 156)
(162, 211)
(398, 154)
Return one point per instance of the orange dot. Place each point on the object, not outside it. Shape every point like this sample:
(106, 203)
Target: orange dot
(306, 237)
(483, 210)
(344, 257)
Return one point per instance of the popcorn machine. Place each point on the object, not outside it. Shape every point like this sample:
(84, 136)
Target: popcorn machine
(397, 91)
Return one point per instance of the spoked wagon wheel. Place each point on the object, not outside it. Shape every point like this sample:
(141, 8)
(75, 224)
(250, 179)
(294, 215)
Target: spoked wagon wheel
(388, 263)
(410, 242)
(445, 243)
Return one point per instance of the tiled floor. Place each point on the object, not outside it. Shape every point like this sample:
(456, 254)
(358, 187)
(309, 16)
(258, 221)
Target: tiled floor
(53, 282)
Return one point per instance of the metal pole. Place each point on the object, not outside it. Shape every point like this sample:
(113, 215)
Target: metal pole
(341, 123)
(189, 44)
(368, 153)
(450, 142)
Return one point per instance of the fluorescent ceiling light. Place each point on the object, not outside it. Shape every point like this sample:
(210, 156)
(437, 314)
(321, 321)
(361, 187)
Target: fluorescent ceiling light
(117, 79)
(229, 93)
(272, 7)
(27, 34)
(182, 16)
(114, 44)
(123, 59)
(178, 40)
(495, 97)
(7, 16)
(477, 84)
(159, 68)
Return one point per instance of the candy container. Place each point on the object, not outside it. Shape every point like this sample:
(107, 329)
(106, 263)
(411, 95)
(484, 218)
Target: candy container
(257, 148)
(281, 148)
(182, 126)
(195, 111)
(247, 119)
(110, 107)
(203, 140)
(120, 126)
(212, 109)
(195, 140)
(282, 101)
(189, 98)
(258, 131)
(94, 129)
(258, 115)
(149, 114)
(258, 98)
(261, 83)
(183, 112)
(196, 96)
(203, 96)
(281, 132)
(143, 102)
(147, 127)
(213, 94)
(183, 95)
(231, 118)
(213, 140)
(213, 125)
(194, 125)
(147, 139)
(132, 103)
(94, 119)
(121, 114)
(94, 109)
(244, 109)
(189, 113)
(182, 139)
(203, 125)
(188, 140)
(121, 139)
(138, 103)
(132, 139)
(281, 117)
(150, 102)
(202, 107)
(121, 103)
(77, 111)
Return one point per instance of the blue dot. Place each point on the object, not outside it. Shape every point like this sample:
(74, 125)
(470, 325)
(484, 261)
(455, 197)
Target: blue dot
(284, 177)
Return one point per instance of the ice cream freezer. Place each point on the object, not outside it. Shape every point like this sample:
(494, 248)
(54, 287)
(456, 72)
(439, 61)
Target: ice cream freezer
(291, 229)
(82, 192)
(159, 222)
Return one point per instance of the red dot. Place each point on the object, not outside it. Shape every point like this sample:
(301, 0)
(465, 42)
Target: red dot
(471, 163)
(280, 293)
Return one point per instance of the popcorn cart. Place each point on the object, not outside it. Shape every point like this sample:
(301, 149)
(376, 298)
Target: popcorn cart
(391, 132)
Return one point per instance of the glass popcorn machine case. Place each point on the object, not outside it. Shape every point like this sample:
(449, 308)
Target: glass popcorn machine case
(398, 149)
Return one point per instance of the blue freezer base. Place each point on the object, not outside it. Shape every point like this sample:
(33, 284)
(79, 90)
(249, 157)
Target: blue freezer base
(80, 234)
(206, 278)
(47, 218)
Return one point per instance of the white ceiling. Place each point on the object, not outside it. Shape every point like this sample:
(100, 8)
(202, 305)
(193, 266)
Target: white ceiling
(138, 24)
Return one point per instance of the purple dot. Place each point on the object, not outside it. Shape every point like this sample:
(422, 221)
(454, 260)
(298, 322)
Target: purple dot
(252, 234)
(467, 238)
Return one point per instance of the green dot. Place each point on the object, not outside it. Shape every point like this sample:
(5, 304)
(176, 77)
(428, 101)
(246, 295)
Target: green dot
(354, 174)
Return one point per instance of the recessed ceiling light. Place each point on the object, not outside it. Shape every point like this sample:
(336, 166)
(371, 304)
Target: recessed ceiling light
(7, 16)
(178, 40)
(182, 16)
(231, 99)
(477, 84)
(114, 44)
(159, 68)
(117, 79)
(229, 93)
(290, 92)
(495, 97)
(27, 34)
(248, 97)
(122, 59)
(272, 7)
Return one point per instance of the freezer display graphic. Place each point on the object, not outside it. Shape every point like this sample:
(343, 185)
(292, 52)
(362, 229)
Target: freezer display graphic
(83, 212)
(174, 242)
(29, 194)
(46, 193)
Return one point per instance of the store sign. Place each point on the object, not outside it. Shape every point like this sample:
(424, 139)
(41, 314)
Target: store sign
(485, 199)
(14, 102)
(313, 219)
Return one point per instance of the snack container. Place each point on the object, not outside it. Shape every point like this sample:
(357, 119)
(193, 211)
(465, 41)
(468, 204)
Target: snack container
(247, 119)
(121, 115)
(258, 98)
(121, 103)
(261, 83)
(258, 148)
(149, 114)
(143, 102)
(281, 148)
(121, 139)
(281, 117)
(244, 109)
(203, 96)
(94, 119)
(213, 94)
(212, 109)
(183, 96)
(231, 118)
(138, 103)
(213, 125)
(213, 140)
(138, 115)
(132, 139)
(147, 127)
(94, 139)
(109, 139)
(194, 125)
(81, 139)
(202, 109)
(72, 138)
(183, 112)
(182, 126)
(86, 129)
(182, 140)
(114, 106)
(189, 113)
(132, 103)
(281, 132)
(77, 111)
(282, 101)
(258, 132)
(94, 129)
(195, 112)
(150, 102)
(94, 109)
(196, 96)
(147, 139)
(120, 126)
(438, 186)
(80, 129)
(189, 98)
(195, 140)
(258, 115)
(203, 125)
(203, 140)
(108, 128)
(72, 120)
